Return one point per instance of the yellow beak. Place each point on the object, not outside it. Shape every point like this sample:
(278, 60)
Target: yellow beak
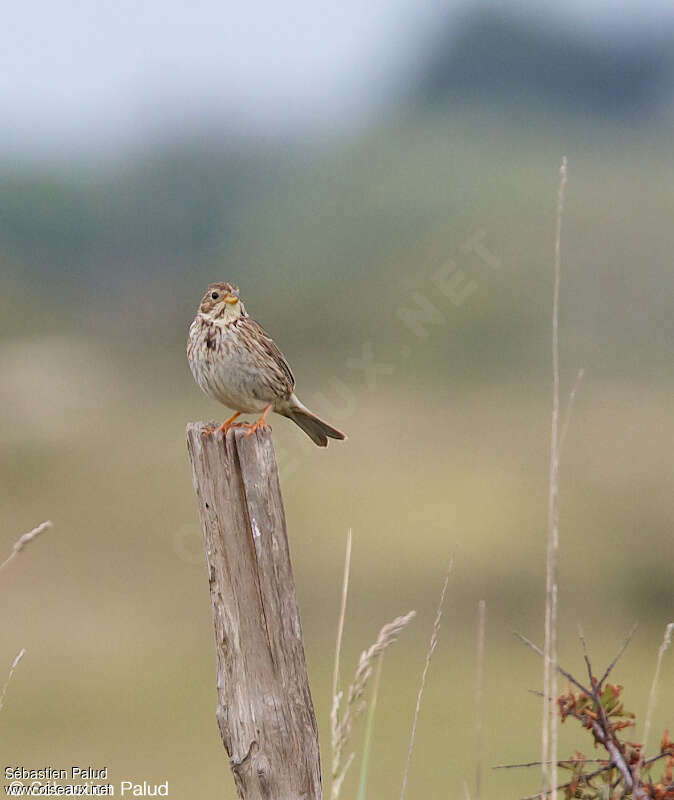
(230, 298)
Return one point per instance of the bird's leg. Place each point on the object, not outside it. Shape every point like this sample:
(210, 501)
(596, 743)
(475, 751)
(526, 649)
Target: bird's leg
(227, 424)
(260, 423)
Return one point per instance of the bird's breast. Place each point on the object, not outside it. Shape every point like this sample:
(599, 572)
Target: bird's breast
(224, 368)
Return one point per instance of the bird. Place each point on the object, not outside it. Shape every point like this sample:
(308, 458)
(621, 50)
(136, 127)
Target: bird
(235, 361)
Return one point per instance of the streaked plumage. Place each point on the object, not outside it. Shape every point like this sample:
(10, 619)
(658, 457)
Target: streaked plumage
(236, 362)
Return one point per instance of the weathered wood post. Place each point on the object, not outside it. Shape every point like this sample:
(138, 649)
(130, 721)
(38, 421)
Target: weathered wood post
(264, 711)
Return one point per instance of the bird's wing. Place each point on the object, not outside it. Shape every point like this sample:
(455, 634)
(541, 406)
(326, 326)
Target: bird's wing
(272, 355)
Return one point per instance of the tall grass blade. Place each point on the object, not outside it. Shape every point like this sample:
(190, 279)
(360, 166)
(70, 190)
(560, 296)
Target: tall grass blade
(549, 721)
(429, 655)
(479, 691)
(369, 732)
(15, 664)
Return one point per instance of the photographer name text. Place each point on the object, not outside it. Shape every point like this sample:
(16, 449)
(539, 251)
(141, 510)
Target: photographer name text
(42, 781)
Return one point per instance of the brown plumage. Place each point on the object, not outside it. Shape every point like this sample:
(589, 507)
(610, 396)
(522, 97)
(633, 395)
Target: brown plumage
(234, 360)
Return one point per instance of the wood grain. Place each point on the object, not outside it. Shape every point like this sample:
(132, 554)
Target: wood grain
(264, 709)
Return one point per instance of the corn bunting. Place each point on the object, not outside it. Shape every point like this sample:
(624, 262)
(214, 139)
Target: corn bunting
(235, 361)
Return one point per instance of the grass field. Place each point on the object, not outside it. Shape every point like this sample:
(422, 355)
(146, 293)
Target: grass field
(448, 453)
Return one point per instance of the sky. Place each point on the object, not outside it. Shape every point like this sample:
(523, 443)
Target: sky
(90, 76)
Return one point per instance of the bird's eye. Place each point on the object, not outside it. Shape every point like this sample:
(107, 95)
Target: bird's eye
(214, 295)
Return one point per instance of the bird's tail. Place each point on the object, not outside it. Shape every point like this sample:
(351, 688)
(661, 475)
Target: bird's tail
(317, 430)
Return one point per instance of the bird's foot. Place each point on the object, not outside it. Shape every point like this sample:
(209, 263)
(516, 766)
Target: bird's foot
(229, 423)
(259, 424)
(255, 426)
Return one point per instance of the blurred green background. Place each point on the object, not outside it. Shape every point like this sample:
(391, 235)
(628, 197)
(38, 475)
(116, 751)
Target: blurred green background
(335, 234)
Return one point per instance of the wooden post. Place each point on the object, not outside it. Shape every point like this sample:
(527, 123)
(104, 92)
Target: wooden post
(264, 712)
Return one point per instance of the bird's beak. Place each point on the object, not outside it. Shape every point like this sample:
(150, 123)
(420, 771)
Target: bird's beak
(230, 298)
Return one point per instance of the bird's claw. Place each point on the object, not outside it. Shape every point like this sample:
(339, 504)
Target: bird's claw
(224, 428)
(229, 423)
(259, 424)
(255, 426)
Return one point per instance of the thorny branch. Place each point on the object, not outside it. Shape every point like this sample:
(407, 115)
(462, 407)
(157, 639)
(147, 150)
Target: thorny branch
(600, 710)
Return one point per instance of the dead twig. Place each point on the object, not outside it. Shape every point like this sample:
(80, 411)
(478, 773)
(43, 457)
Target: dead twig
(561, 671)
(559, 763)
(619, 654)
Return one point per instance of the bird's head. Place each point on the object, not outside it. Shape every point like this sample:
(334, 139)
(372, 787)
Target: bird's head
(221, 303)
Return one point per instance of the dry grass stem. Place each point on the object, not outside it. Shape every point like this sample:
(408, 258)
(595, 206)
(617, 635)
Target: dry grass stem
(549, 720)
(569, 406)
(653, 694)
(24, 540)
(479, 691)
(337, 780)
(355, 702)
(342, 614)
(429, 655)
(336, 694)
(19, 545)
(15, 664)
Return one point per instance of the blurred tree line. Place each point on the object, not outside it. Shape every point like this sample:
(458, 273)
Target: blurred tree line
(474, 141)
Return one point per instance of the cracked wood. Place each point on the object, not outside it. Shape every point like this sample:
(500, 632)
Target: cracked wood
(264, 707)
